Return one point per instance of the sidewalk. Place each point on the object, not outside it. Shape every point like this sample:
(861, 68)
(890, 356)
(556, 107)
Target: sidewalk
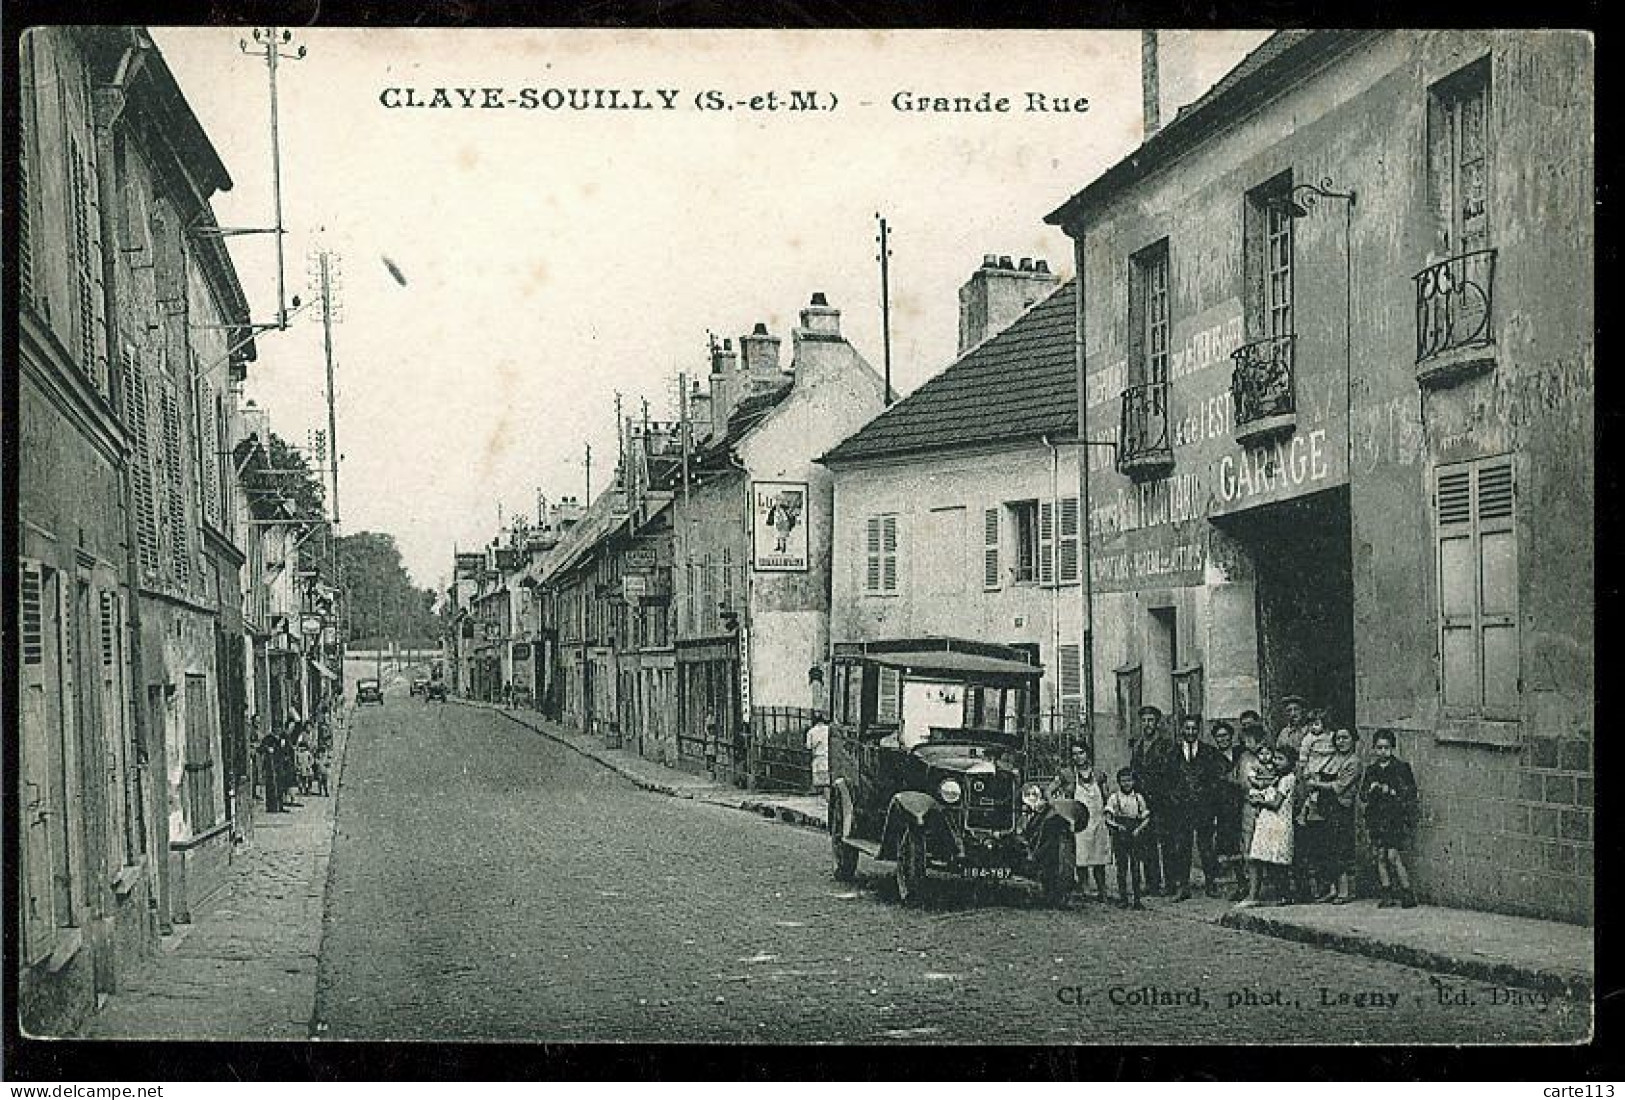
(1550, 956)
(245, 968)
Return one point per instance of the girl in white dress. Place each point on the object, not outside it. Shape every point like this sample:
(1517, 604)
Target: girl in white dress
(1084, 784)
(1271, 850)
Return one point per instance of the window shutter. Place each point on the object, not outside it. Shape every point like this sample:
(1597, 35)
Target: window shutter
(109, 615)
(888, 701)
(1046, 542)
(990, 548)
(888, 554)
(175, 486)
(727, 577)
(35, 726)
(1068, 550)
(31, 611)
(25, 227)
(87, 268)
(209, 447)
(137, 421)
(1478, 582)
(872, 544)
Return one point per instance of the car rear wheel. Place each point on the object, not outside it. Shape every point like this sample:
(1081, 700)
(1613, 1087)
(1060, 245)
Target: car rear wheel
(845, 856)
(1058, 876)
(910, 873)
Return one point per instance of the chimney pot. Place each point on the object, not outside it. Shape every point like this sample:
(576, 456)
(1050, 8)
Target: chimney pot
(760, 329)
(990, 260)
(997, 293)
(1026, 263)
(1041, 267)
(1005, 264)
(818, 298)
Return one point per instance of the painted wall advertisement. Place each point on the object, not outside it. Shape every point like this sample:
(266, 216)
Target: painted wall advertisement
(779, 526)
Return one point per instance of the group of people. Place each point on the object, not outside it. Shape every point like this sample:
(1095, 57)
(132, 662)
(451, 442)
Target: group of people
(295, 761)
(1275, 814)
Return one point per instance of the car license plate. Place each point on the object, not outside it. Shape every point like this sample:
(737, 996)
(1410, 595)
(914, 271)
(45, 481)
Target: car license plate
(985, 872)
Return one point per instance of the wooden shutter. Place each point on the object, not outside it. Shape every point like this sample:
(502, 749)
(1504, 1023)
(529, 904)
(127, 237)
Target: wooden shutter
(175, 485)
(889, 697)
(1478, 583)
(1067, 547)
(25, 200)
(872, 554)
(990, 548)
(137, 420)
(86, 267)
(1046, 542)
(888, 554)
(36, 728)
(209, 452)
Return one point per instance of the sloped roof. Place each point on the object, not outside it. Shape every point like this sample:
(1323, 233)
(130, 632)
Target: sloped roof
(1019, 385)
(1276, 63)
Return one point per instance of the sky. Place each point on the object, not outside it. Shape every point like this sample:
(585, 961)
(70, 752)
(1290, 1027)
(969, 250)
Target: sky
(551, 258)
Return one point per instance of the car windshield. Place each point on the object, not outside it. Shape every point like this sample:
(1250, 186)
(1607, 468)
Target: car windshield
(940, 710)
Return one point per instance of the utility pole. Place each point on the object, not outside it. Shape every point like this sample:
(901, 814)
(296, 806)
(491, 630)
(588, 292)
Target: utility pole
(271, 41)
(885, 299)
(589, 475)
(325, 285)
(620, 439)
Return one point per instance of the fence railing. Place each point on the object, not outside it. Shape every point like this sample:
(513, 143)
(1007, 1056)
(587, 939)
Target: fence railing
(1262, 379)
(779, 759)
(1143, 439)
(1455, 303)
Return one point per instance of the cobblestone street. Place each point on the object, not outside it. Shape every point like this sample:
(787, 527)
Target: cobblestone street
(488, 883)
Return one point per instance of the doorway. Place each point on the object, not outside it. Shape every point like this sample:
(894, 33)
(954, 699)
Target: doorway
(1301, 557)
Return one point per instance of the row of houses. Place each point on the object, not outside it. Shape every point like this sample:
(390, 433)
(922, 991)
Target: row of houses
(1313, 416)
(168, 606)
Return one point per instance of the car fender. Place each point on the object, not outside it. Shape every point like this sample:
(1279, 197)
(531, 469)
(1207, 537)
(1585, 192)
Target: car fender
(921, 810)
(842, 789)
(1075, 813)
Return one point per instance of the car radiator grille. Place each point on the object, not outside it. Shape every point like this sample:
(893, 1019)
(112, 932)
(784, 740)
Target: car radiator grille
(989, 802)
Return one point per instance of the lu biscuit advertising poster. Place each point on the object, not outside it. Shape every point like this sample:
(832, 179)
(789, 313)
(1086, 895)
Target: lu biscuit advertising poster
(779, 526)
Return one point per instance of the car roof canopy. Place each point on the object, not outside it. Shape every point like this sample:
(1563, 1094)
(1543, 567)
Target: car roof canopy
(950, 656)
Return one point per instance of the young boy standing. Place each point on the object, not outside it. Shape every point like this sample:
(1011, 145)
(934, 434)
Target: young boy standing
(1127, 816)
(1389, 793)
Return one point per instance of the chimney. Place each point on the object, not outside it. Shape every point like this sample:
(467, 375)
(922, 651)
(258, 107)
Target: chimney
(997, 293)
(699, 414)
(1150, 86)
(760, 352)
(725, 387)
(820, 349)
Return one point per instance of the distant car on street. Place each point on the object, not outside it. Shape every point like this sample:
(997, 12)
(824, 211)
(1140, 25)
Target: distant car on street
(928, 746)
(435, 691)
(369, 691)
(420, 685)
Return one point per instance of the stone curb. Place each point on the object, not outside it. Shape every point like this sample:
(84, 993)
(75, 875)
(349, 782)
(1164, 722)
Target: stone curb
(787, 815)
(1557, 982)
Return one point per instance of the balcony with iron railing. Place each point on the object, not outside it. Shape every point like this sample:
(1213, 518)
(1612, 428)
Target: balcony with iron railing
(1144, 442)
(1263, 386)
(1455, 314)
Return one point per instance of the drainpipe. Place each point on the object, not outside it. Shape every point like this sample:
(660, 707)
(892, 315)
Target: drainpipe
(1055, 564)
(109, 110)
(1086, 542)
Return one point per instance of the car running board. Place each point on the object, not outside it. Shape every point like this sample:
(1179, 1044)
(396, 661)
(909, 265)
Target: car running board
(869, 848)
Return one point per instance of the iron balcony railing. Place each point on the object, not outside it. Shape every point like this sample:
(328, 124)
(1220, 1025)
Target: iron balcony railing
(1455, 304)
(1262, 382)
(1143, 440)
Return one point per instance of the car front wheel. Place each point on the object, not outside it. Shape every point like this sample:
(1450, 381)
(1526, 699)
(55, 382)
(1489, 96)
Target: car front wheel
(846, 857)
(910, 872)
(1057, 877)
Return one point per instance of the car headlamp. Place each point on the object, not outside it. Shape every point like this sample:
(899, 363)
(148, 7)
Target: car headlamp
(949, 791)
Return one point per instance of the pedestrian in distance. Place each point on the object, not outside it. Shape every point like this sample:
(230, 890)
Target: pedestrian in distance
(1193, 774)
(321, 767)
(1147, 755)
(1270, 855)
(1128, 816)
(304, 765)
(1389, 793)
(818, 745)
(1330, 802)
(285, 767)
(269, 772)
(1082, 782)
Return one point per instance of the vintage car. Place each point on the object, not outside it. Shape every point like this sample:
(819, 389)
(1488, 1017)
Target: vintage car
(928, 742)
(435, 690)
(420, 686)
(369, 691)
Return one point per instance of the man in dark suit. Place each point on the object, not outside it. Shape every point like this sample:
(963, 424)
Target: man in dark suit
(1193, 775)
(1148, 756)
